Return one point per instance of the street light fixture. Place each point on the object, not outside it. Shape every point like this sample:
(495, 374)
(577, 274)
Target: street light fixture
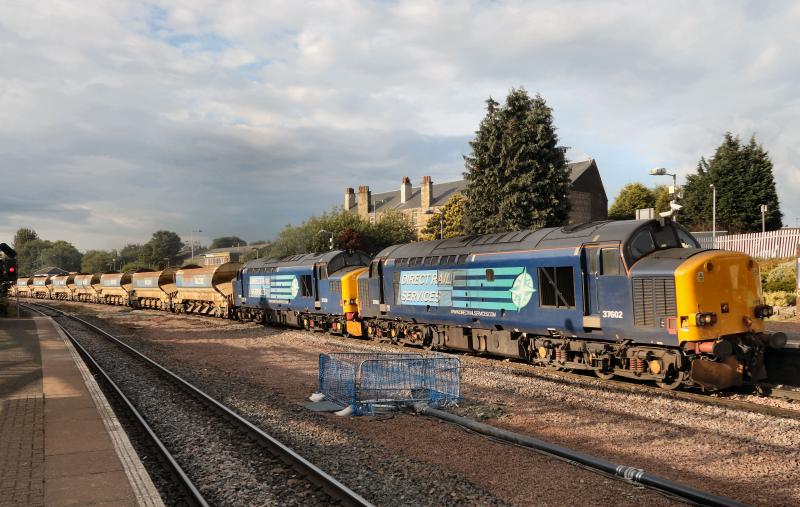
(673, 205)
(191, 240)
(763, 218)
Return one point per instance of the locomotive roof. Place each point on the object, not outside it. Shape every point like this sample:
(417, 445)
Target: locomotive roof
(531, 239)
(301, 260)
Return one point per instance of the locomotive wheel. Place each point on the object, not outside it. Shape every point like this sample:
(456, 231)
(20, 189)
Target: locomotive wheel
(604, 375)
(670, 384)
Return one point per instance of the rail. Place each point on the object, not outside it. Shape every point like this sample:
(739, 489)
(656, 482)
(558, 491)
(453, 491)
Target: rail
(334, 488)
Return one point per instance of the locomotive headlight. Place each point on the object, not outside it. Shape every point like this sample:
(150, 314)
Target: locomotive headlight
(763, 311)
(706, 319)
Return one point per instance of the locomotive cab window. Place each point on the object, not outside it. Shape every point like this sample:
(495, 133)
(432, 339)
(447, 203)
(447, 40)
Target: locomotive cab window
(686, 239)
(556, 287)
(641, 245)
(489, 275)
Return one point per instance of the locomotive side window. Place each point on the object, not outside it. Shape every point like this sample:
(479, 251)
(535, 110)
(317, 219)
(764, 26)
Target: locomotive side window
(305, 285)
(557, 287)
(609, 262)
(489, 275)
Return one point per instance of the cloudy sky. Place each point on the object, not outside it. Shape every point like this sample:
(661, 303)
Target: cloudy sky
(120, 118)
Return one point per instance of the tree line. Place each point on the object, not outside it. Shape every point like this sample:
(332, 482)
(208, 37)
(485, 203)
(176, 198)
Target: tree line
(741, 173)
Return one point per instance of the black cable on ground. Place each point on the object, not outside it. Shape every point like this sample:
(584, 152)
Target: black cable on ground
(632, 474)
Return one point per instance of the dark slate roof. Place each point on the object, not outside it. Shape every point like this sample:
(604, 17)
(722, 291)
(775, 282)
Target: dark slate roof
(553, 237)
(234, 249)
(442, 192)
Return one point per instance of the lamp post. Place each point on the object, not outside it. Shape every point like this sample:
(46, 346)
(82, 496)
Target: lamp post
(257, 252)
(713, 216)
(437, 211)
(662, 171)
(763, 218)
(191, 240)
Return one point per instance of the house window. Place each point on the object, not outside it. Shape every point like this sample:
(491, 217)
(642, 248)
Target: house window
(556, 287)
(415, 217)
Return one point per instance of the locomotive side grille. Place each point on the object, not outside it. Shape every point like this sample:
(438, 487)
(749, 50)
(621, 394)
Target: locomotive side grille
(363, 292)
(335, 287)
(653, 298)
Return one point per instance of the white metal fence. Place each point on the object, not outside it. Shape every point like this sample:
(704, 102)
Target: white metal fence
(767, 245)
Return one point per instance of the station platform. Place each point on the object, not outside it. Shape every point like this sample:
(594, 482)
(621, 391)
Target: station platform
(60, 442)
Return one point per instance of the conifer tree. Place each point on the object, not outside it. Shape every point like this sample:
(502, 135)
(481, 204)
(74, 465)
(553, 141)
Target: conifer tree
(517, 175)
(742, 175)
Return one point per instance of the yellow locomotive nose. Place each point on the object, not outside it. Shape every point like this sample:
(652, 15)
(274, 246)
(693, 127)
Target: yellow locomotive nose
(718, 294)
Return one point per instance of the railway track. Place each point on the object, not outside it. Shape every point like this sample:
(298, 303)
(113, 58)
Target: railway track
(722, 400)
(217, 456)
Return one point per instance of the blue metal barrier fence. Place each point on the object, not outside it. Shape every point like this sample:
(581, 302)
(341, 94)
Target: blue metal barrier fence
(368, 380)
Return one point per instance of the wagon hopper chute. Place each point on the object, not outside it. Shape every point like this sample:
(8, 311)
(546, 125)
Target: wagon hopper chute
(206, 290)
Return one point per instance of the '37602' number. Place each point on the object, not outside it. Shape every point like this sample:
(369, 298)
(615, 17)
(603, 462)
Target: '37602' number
(612, 314)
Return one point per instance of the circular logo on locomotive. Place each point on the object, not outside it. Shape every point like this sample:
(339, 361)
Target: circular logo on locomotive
(295, 287)
(522, 290)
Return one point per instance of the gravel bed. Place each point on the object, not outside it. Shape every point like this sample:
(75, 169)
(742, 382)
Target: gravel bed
(383, 480)
(225, 465)
(398, 460)
(266, 374)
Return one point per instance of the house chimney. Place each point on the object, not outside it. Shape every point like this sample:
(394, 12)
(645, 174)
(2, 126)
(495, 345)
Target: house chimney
(426, 192)
(405, 189)
(349, 199)
(364, 201)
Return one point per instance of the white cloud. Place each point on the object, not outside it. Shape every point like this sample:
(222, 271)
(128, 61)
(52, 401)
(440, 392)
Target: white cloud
(117, 119)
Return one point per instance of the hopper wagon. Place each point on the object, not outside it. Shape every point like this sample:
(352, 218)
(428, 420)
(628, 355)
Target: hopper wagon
(42, 286)
(23, 287)
(206, 290)
(87, 287)
(63, 286)
(153, 289)
(115, 288)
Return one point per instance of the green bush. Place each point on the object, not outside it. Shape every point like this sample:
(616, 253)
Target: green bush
(782, 277)
(780, 298)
